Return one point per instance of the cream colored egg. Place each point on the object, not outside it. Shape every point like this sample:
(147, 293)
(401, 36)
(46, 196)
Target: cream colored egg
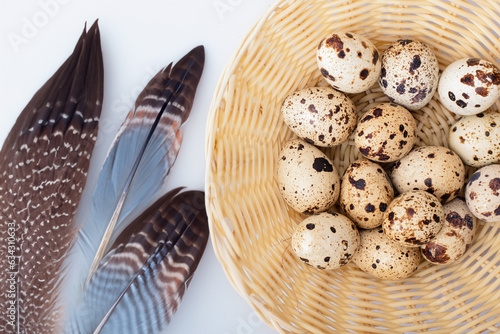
(483, 193)
(469, 86)
(385, 133)
(435, 169)
(307, 179)
(455, 237)
(326, 240)
(349, 62)
(476, 139)
(409, 74)
(365, 193)
(413, 218)
(383, 258)
(320, 115)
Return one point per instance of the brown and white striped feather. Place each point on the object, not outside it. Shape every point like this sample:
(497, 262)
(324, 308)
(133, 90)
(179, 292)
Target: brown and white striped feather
(43, 169)
(140, 283)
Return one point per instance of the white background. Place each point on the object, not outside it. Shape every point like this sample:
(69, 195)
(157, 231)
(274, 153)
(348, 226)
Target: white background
(138, 38)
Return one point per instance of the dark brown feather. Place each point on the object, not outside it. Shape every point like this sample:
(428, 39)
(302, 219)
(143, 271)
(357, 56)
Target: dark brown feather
(43, 168)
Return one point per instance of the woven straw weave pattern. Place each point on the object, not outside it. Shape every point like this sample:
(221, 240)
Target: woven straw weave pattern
(250, 223)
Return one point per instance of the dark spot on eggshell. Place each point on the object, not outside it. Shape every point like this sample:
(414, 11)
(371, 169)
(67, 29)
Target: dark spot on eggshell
(334, 42)
(480, 115)
(364, 44)
(384, 83)
(374, 266)
(327, 259)
(360, 55)
(364, 73)
(456, 220)
(431, 155)
(355, 164)
(436, 253)
(412, 240)
(420, 96)
(473, 61)
(345, 243)
(433, 204)
(375, 57)
(348, 35)
(474, 177)
(310, 226)
(462, 139)
(309, 141)
(426, 222)
(391, 216)
(410, 212)
(490, 152)
(369, 208)
(351, 206)
(487, 133)
(465, 96)
(330, 129)
(415, 63)
(396, 165)
(401, 88)
(428, 182)
(497, 211)
(475, 158)
(320, 267)
(494, 184)
(486, 214)
(312, 109)
(382, 207)
(341, 54)
(303, 101)
(369, 136)
(413, 90)
(477, 105)
(377, 112)
(326, 74)
(488, 79)
(436, 218)
(468, 80)
(402, 143)
(483, 91)
(392, 136)
(472, 195)
(454, 129)
(493, 124)
(366, 118)
(322, 165)
(405, 41)
(461, 104)
(358, 184)
(333, 229)
(305, 260)
(300, 147)
(401, 128)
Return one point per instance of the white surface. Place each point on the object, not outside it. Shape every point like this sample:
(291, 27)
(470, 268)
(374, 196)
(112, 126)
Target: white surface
(138, 38)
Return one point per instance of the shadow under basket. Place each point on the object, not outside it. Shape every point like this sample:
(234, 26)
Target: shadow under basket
(250, 223)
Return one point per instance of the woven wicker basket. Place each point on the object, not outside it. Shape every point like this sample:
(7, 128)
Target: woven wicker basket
(250, 223)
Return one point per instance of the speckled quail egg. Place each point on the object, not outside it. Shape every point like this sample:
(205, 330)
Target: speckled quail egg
(476, 139)
(469, 86)
(483, 193)
(410, 73)
(455, 237)
(307, 179)
(383, 258)
(413, 218)
(385, 133)
(349, 62)
(320, 115)
(365, 193)
(435, 169)
(326, 240)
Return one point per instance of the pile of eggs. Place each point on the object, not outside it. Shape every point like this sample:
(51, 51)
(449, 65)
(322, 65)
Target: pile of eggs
(398, 204)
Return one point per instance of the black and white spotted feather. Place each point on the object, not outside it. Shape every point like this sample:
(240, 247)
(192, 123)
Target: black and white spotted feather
(140, 282)
(43, 169)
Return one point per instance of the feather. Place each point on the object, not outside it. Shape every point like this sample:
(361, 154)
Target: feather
(140, 158)
(140, 282)
(43, 168)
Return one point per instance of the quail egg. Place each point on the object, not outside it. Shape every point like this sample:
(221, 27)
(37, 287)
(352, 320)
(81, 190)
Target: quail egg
(348, 62)
(469, 86)
(435, 169)
(320, 115)
(326, 240)
(476, 139)
(483, 193)
(455, 237)
(365, 193)
(409, 74)
(383, 258)
(413, 218)
(307, 179)
(385, 133)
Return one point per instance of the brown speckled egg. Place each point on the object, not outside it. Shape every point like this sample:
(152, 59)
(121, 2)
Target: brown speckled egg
(469, 86)
(455, 237)
(409, 73)
(320, 115)
(413, 218)
(483, 193)
(435, 169)
(326, 240)
(383, 258)
(307, 179)
(349, 62)
(476, 139)
(365, 193)
(385, 133)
